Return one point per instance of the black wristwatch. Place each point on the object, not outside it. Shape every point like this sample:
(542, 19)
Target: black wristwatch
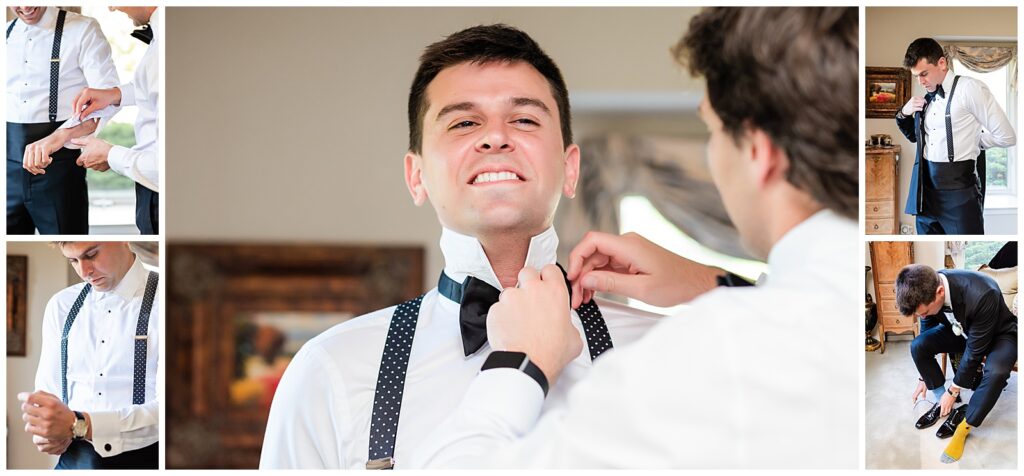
(731, 280)
(501, 359)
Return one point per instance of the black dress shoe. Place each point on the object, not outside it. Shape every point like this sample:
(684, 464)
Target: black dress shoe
(929, 418)
(948, 427)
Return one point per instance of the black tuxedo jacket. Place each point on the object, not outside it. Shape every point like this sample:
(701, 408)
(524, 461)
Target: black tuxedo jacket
(979, 306)
(910, 126)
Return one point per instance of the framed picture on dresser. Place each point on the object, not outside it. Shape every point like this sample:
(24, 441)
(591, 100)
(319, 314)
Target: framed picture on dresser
(240, 312)
(886, 91)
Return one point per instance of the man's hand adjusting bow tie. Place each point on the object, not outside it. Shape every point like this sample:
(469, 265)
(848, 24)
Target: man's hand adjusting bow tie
(534, 318)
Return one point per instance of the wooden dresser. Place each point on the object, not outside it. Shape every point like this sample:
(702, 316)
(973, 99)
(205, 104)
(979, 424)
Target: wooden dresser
(887, 259)
(881, 185)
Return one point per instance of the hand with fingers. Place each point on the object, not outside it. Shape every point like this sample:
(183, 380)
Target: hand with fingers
(95, 152)
(915, 104)
(90, 100)
(46, 416)
(534, 318)
(920, 392)
(37, 154)
(633, 266)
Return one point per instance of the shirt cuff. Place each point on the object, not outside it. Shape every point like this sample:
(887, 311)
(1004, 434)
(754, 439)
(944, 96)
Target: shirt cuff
(106, 433)
(118, 160)
(509, 395)
(127, 94)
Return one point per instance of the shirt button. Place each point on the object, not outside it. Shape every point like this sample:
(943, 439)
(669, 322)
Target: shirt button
(106, 446)
(103, 342)
(101, 394)
(101, 374)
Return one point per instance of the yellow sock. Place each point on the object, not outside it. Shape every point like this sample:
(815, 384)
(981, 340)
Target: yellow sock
(956, 444)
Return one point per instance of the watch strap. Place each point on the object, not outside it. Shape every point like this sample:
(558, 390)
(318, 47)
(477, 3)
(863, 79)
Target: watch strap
(500, 359)
(731, 280)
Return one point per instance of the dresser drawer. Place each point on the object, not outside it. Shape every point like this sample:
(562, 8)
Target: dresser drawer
(888, 306)
(896, 322)
(880, 226)
(888, 292)
(878, 209)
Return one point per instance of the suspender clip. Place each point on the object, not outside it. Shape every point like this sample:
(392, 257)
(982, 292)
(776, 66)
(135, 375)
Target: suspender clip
(381, 463)
(141, 337)
(55, 60)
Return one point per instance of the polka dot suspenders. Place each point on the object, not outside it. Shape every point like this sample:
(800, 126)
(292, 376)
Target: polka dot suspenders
(949, 119)
(387, 400)
(141, 340)
(54, 60)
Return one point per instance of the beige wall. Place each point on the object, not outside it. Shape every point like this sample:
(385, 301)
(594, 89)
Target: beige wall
(289, 124)
(47, 274)
(888, 32)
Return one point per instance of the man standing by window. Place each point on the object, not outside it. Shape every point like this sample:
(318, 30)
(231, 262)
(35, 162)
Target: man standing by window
(51, 55)
(952, 125)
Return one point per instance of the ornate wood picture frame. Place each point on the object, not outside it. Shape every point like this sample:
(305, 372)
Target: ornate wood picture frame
(17, 302)
(886, 90)
(236, 315)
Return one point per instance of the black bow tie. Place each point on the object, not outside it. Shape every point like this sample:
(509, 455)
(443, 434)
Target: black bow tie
(143, 34)
(929, 97)
(475, 297)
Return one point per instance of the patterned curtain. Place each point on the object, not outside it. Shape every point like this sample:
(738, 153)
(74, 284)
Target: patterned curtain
(984, 59)
(671, 173)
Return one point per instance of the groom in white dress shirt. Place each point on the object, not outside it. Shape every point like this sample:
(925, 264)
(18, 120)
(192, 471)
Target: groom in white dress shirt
(491, 149)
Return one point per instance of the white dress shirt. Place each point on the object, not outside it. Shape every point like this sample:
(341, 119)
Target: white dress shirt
(978, 121)
(141, 162)
(84, 62)
(744, 377)
(320, 417)
(101, 361)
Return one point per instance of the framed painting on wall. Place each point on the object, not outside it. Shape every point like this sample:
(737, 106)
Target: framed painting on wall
(886, 91)
(17, 299)
(237, 314)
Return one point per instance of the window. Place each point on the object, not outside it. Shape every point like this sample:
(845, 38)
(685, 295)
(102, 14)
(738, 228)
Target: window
(112, 196)
(978, 253)
(1001, 164)
(638, 215)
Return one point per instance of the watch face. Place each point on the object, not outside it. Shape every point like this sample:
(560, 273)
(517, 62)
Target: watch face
(79, 429)
(500, 359)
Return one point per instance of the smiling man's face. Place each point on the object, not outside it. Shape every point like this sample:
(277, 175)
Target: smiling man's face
(29, 15)
(492, 158)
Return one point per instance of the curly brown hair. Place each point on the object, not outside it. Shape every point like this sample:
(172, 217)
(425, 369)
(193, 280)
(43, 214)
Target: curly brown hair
(792, 73)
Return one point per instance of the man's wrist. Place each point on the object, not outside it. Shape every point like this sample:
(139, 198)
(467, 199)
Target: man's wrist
(518, 360)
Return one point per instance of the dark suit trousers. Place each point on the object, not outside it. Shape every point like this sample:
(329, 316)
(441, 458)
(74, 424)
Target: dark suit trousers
(935, 340)
(81, 455)
(998, 365)
(996, 371)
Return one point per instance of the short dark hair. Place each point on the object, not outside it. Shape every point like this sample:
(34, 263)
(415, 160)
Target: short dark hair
(792, 73)
(484, 44)
(923, 48)
(915, 285)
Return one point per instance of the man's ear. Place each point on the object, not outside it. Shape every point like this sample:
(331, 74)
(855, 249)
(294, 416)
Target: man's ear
(941, 63)
(572, 170)
(414, 178)
(769, 161)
